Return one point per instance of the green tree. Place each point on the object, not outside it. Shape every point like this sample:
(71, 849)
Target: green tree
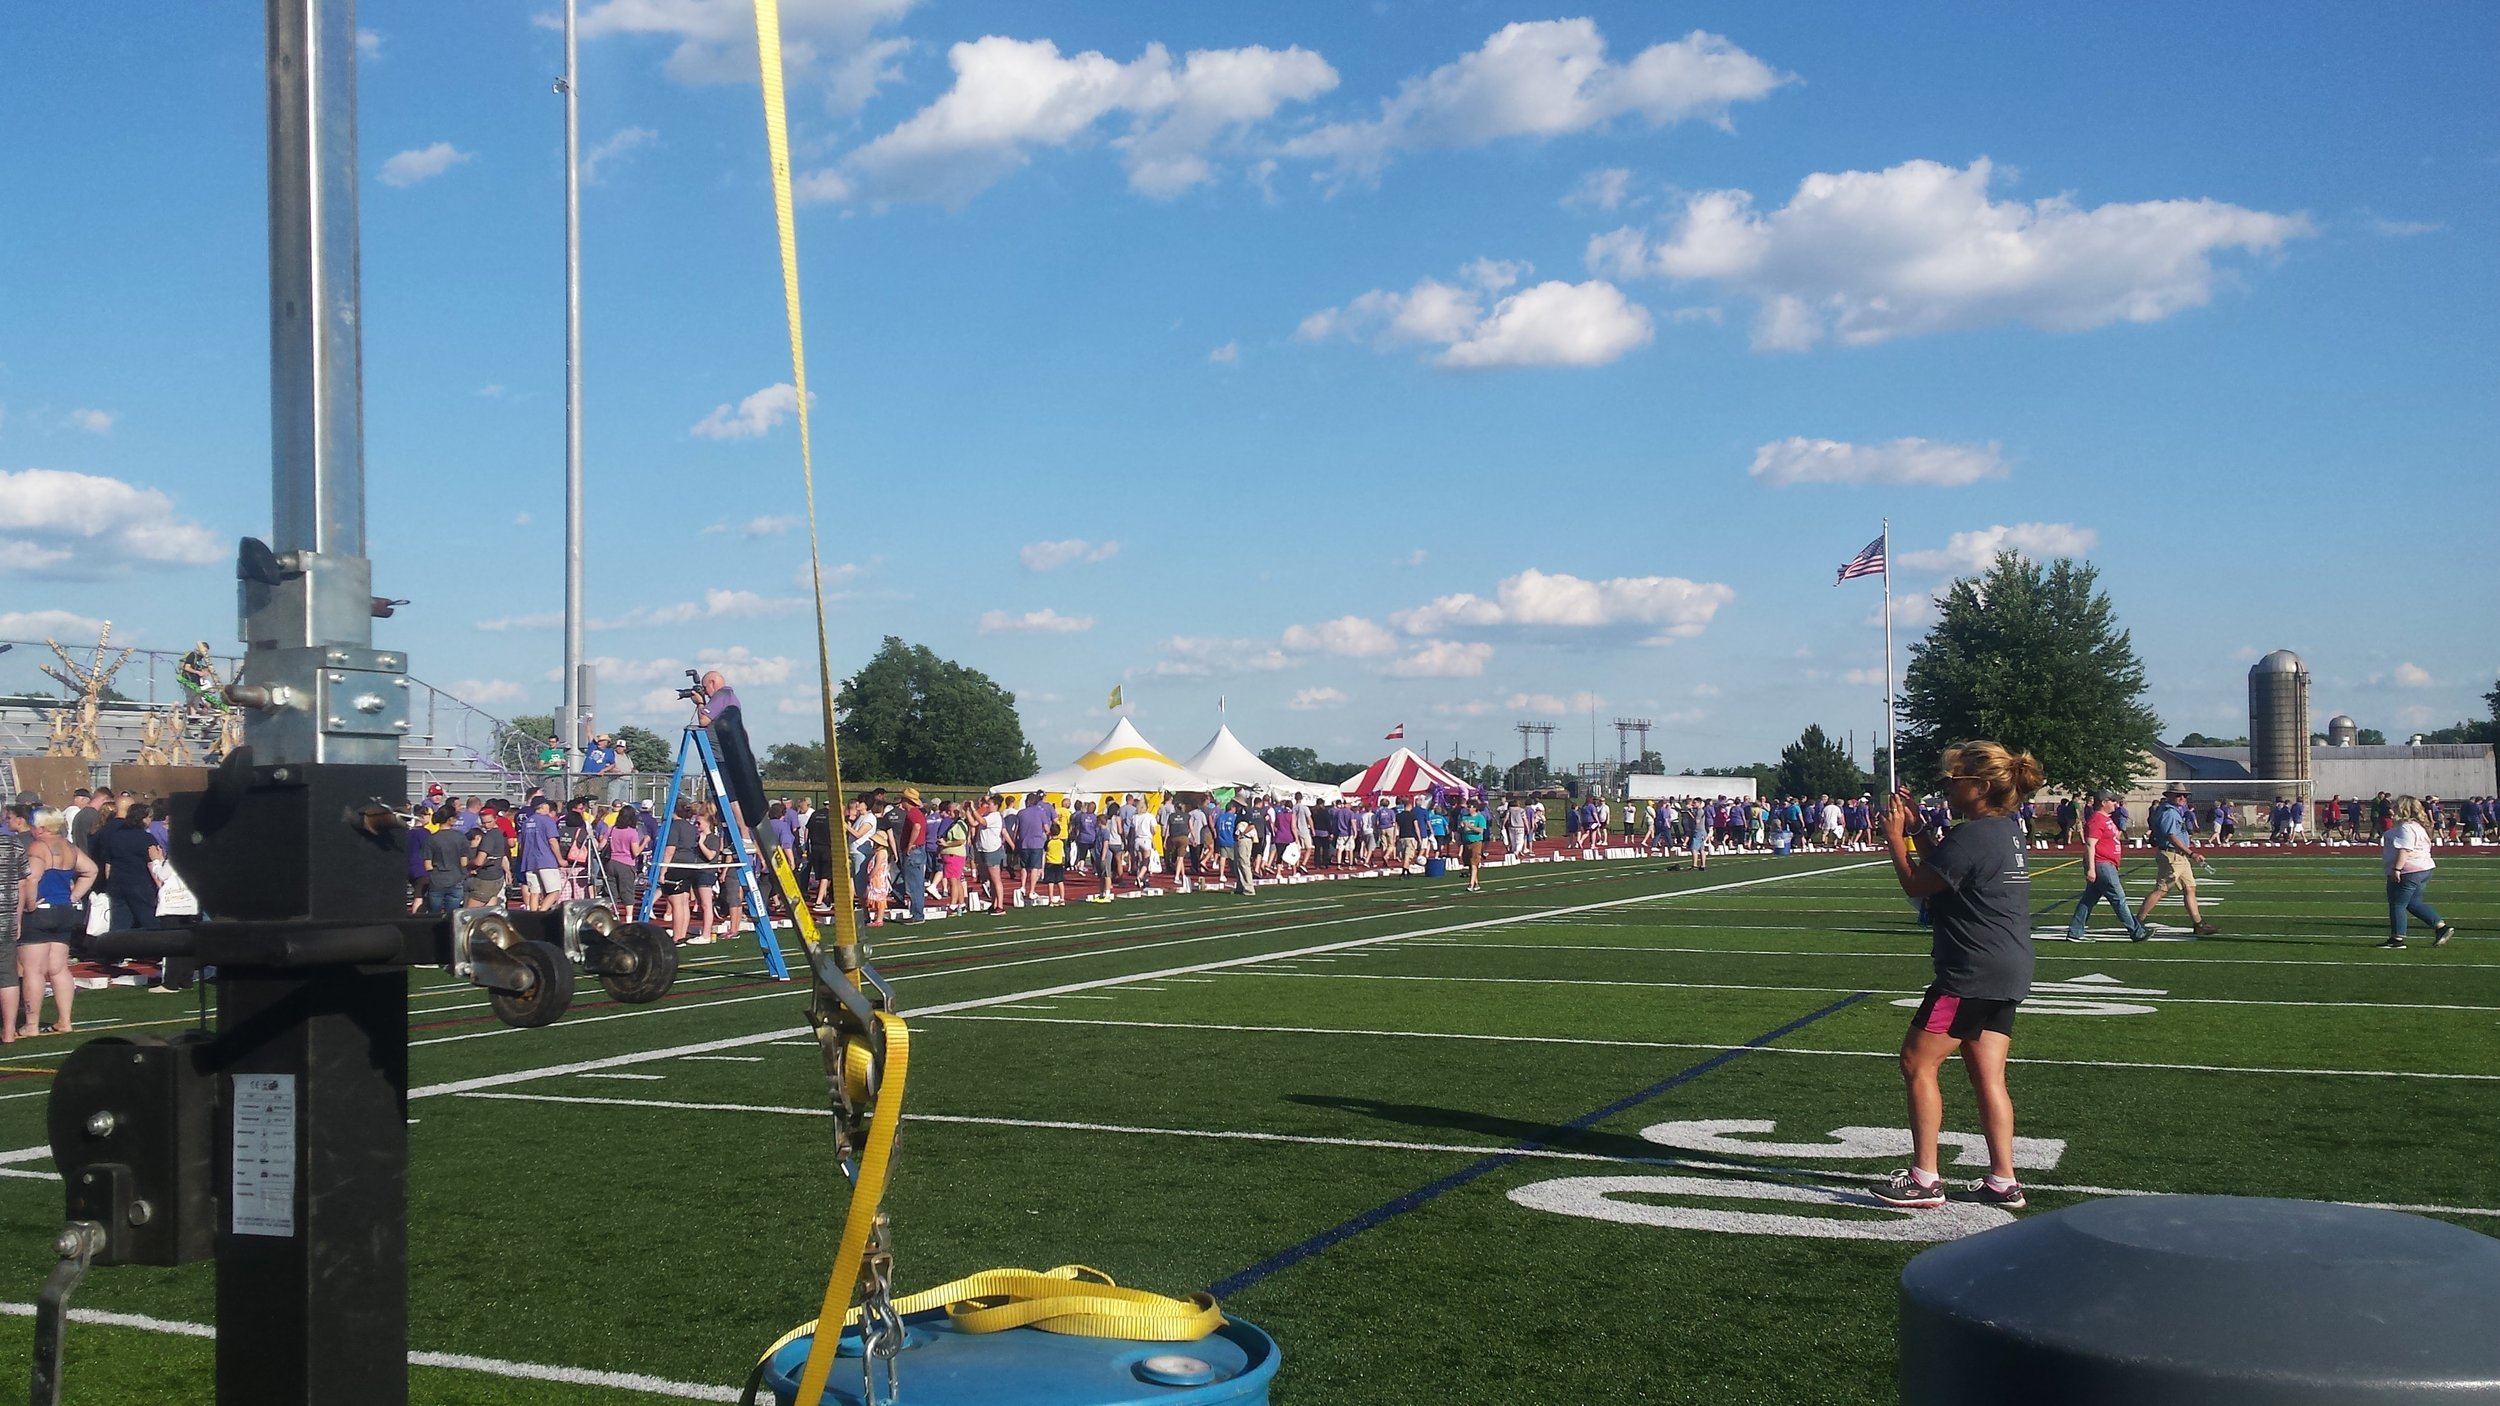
(1330, 773)
(517, 741)
(1300, 763)
(2198, 739)
(2031, 656)
(2370, 737)
(910, 715)
(651, 752)
(796, 761)
(1814, 765)
(1650, 764)
(1526, 775)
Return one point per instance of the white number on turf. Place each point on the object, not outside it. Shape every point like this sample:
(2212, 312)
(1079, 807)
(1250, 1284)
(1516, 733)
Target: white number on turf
(1712, 1135)
(1595, 1198)
(2084, 995)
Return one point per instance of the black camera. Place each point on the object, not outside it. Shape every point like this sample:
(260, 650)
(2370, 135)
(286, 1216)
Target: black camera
(694, 690)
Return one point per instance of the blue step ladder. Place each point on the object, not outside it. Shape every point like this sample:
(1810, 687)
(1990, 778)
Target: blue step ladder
(695, 751)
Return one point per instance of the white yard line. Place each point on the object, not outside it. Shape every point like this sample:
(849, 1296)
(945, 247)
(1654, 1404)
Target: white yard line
(1823, 990)
(2054, 951)
(1377, 1144)
(521, 1076)
(455, 1361)
(1693, 1045)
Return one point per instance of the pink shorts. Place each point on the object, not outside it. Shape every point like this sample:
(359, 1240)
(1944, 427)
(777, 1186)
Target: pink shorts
(954, 866)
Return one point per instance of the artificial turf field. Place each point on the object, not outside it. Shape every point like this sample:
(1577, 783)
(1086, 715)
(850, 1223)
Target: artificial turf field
(1369, 1114)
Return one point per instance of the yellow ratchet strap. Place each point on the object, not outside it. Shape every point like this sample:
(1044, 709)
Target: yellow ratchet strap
(1073, 1299)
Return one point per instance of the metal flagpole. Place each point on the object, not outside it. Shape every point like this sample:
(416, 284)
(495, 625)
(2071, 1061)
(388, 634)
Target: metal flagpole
(1892, 743)
(569, 721)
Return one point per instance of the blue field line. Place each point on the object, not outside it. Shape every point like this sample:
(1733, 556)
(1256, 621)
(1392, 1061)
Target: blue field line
(1390, 1210)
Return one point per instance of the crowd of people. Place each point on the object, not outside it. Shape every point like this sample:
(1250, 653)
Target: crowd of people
(95, 865)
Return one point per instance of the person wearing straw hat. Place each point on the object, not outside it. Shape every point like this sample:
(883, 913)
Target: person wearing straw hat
(2174, 854)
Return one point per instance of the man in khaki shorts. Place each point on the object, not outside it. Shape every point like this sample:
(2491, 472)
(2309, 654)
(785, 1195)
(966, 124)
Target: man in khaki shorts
(2171, 828)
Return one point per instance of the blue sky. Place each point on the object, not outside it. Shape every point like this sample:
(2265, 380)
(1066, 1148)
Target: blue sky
(1449, 364)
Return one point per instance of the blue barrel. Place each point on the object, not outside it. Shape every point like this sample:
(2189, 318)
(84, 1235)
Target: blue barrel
(1435, 867)
(1027, 1367)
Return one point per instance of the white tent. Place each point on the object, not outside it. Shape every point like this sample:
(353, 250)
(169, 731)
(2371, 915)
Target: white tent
(1122, 762)
(1226, 762)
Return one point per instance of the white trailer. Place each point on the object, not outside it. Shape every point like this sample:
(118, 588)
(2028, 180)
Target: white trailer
(1646, 787)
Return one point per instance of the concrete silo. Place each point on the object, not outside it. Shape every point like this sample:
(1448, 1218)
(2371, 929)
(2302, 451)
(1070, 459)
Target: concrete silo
(2278, 722)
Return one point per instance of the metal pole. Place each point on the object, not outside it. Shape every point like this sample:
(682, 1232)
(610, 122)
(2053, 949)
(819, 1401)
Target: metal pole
(569, 720)
(316, 372)
(1892, 742)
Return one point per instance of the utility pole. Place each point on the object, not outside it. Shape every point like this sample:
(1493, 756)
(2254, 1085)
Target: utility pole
(569, 718)
(1629, 727)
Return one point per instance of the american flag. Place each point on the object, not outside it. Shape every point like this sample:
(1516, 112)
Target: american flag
(1867, 563)
(1396, 734)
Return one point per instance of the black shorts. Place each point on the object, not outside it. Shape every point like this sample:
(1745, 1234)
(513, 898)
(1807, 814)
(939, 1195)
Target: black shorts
(1963, 1017)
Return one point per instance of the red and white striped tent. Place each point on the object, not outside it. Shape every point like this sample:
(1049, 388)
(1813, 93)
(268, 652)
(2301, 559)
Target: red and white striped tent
(1402, 773)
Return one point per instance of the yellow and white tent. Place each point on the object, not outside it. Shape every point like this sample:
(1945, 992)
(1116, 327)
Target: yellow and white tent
(1122, 762)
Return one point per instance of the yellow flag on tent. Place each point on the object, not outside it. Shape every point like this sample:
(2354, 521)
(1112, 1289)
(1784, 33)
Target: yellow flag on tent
(1114, 704)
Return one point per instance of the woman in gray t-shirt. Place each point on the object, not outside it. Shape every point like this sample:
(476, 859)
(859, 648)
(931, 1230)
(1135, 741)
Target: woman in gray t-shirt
(1977, 887)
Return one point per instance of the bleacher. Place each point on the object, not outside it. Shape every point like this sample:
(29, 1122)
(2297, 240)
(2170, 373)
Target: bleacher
(449, 741)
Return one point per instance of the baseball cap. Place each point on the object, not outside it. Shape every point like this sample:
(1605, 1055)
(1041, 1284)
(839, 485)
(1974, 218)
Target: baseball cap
(2107, 796)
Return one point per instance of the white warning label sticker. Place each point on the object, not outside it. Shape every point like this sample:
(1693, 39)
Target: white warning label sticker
(264, 1154)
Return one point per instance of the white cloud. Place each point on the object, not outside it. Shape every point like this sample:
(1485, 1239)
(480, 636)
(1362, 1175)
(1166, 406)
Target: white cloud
(1705, 690)
(1013, 97)
(751, 418)
(2412, 675)
(520, 519)
(1044, 621)
(1923, 461)
(1543, 79)
(2418, 714)
(1072, 551)
(92, 421)
(1311, 699)
(486, 693)
(1600, 190)
(1552, 703)
(1970, 553)
(1347, 635)
(1551, 324)
(535, 620)
(1866, 256)
(717, 604)
(824, 43)
(836, 574)
(42, 624)
(1228, 354)
(1416, 557)
(1670, 605)
(1201, 655)
(368, 45)
(626, 140)
(2405, 229)
(1472, 708)
(1864, 677)
(765, 525)
(1442, 659)
(57, 523)
(423, 163)
(741, 665)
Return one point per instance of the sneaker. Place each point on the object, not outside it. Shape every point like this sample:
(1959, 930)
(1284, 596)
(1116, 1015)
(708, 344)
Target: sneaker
(2393, 942)
(2078, 937)
(2441, 934)
(2140, 935)
(2011, 1198)
(1908, 1192)
(2204, 929)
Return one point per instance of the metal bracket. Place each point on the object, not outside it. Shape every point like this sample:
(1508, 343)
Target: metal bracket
(77, 1245)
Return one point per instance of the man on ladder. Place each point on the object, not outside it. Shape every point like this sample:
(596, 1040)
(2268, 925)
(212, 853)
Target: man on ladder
(716, 748)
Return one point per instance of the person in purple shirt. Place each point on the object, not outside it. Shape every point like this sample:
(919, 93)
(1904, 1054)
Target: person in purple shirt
(1033, 826)
(542, 877)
